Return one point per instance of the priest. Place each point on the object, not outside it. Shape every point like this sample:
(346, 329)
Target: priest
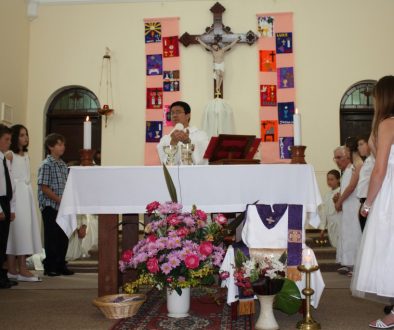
(183, 134)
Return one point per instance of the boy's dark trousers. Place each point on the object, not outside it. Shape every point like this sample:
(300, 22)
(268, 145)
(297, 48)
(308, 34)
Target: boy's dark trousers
(55, 242)
(4, 230)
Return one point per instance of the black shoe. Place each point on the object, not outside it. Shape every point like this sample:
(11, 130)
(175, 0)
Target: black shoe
(4, 284)
(66, 271)
(51, 273)
(12, 282)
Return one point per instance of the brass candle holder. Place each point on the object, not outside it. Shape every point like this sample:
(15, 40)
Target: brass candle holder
(86, 156)
(298, 154)
(308, 323)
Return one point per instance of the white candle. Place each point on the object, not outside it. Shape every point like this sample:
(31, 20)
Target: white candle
(297, 128)
(307, 258)
(87, 134)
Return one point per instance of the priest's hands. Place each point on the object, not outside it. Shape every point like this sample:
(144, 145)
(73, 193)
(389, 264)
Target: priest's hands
(180, 136)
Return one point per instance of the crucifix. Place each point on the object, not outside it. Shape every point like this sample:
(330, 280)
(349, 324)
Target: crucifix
(218, 39)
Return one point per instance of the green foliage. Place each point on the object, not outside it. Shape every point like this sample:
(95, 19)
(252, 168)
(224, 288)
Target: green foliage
(170, 185)
(288, 300)
(240, 258)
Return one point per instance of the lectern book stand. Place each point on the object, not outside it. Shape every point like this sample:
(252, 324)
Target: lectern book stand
(229, 149)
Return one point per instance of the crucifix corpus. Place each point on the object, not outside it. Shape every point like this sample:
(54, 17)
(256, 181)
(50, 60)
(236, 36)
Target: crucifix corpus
(218, 39)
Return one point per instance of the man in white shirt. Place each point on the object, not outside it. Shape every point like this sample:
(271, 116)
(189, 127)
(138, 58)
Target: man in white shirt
(184, 134)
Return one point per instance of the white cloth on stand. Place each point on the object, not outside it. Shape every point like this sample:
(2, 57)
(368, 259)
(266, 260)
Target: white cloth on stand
(350, 229)
(256, 235)
(374, 269)
(218, 118)
(329, 217)
(24, 237)
(197, 137)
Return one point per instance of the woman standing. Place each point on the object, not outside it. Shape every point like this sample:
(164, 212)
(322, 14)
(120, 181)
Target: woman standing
(374, 271)
(24, 236)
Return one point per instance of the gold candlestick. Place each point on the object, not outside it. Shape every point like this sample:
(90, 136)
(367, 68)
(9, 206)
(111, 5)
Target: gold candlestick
(308, 323)
(298, 154)
(86, 156)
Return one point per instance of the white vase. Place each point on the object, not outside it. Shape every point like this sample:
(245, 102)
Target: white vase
(178, 305)
(266, 320)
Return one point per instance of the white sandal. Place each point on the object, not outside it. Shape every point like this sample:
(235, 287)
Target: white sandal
(379, 324)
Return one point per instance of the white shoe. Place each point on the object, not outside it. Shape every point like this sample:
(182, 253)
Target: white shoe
(12, 276)
(22, 278)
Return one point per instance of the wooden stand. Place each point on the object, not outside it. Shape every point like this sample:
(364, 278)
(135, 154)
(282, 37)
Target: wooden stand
(87, 156)
(298, 155)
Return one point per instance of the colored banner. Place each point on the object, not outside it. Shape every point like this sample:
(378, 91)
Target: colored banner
(162, 80)
(276, 86)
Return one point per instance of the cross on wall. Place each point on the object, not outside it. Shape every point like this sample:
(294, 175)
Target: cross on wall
(220, 35)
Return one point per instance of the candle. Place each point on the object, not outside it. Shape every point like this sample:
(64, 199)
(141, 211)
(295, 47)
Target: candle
(87, 134)
(297, 128)
(307, 258)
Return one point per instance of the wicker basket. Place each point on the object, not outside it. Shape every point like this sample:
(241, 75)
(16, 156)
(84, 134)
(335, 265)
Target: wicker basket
(121, 309)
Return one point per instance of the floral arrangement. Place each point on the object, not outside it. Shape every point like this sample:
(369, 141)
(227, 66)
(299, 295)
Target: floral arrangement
(179, 250)
(263, 277)
(266, 276)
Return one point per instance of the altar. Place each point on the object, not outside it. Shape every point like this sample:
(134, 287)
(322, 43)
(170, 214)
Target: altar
(109, 191)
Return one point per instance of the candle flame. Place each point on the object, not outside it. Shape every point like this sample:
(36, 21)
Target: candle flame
(296, 110)
(87, 118)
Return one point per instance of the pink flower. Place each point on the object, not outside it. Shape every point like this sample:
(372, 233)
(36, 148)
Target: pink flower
(173, 220)
(224, 275)
(206, 248)
(182, 232)
(151, 238)
(201, 215)
(192, 261)
(153, 265)
(127, 256)
(152, 207)
(220, 219)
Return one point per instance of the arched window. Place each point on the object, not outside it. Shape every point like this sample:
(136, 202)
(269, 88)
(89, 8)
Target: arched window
(67, 112)
(356, 110)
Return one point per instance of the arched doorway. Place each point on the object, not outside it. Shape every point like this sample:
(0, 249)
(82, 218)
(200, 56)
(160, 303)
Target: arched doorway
(356, 111)
(67, 112)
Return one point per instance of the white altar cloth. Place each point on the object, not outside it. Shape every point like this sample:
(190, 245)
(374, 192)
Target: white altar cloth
(219, 188)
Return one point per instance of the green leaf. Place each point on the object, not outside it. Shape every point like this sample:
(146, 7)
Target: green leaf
(170, 185)
(178, 291)
(288, 300)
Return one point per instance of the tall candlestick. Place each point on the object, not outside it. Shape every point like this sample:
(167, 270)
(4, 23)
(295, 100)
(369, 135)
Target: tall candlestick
(297, 128)
(87, 134)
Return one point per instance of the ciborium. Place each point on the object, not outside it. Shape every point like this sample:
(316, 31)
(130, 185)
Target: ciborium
(186, 153)
(170, 151)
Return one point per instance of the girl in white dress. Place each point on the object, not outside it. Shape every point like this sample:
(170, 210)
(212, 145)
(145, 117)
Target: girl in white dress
(329, 217)
(374, 269)
(24, 237)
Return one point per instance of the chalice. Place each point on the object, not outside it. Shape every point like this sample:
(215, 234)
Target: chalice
(170, 151)
(186, 153)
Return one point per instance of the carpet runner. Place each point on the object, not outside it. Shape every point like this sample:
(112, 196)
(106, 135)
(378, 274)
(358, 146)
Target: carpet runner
(205, 314)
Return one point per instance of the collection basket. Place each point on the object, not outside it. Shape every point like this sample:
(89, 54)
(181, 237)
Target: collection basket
(119, 310)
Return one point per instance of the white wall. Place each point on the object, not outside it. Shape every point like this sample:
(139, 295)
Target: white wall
(14, 43)
(337, 43)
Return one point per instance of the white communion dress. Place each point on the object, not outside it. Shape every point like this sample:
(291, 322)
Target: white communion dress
(374, 269)
(24, 236)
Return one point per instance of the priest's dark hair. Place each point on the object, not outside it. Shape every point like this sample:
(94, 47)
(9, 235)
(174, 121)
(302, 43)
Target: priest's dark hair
(4, 130)
(52, 139)
(15, 131)
(184, 105)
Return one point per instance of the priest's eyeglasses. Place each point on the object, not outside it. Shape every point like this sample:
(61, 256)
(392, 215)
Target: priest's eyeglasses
(177, 113)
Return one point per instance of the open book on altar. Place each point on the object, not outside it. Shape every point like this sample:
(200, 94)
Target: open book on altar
(232, 149)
